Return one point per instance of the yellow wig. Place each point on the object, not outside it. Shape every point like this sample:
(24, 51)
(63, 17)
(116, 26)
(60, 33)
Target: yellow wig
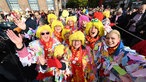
(98, 24)
(55, 23)
(74, 18)
(59, 50)
(106, 13)
(65, 13)
(42, 28)
(78, 35)
(51, 16)
(64, 31)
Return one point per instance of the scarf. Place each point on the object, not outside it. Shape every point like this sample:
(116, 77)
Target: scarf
(77, 54)
(67, 41)
(47, 46)
(92, 41)
(58, 35)
(111, 50)
(77, 65)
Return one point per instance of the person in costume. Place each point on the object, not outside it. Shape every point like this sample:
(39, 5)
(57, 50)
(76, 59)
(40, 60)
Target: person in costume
(38, 51)
(79, 57)
(65, 35)
(94, 37)
(63, 16)
(94, 31)
(51, 18)
(83, 19)
(118, 62)
(62, 53)
(106, 21)
(57, 27)
(71, 23)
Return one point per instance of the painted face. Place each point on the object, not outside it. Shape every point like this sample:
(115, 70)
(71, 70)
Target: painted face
(45, 35)
(70, 22)
(58, 28)
(93, 31)
(76, 43)
(112, 39)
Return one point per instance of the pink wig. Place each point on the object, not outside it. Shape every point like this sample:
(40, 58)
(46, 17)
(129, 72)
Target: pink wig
(83, 18)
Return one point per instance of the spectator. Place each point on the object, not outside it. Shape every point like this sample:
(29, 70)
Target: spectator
(117, 62)
(37, 51)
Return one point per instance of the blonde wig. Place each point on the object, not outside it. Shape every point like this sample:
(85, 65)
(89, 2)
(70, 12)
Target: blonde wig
(50, 16)
(73, 18)
(106, 13)
(42, 28)
(78, 35)
(55, 23)
(64, 31)
(65, 13)
(98, 24)
(59, 50)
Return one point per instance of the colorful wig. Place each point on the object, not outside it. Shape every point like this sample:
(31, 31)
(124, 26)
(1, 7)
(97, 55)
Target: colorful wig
(74, 18)
(78, 35)
(59, 50)
(98, 15)
(55, 23)
(42, 28)
(106, 13)
(83, 18)
(98, 24)
(65, 13)
(51, 16)
(64, 31)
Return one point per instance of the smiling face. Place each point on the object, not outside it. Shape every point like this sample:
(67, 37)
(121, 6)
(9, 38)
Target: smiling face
(58, 28)
(76, 43)
(70, 22)
(83, 24)
(93, 31)
(112, 39)
(45, 35)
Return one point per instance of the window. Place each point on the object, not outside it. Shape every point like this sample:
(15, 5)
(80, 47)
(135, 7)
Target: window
(50, 4)
(33, 4)
(13, 4)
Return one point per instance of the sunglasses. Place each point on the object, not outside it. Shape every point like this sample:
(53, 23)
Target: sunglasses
(47, 33)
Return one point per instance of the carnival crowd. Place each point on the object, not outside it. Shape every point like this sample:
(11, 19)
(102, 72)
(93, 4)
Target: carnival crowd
(79, 45)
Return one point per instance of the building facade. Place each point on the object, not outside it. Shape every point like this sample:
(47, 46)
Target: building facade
(8, 5)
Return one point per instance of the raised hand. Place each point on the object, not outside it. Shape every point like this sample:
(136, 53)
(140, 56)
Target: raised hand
(17, 40)
(21, 24)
